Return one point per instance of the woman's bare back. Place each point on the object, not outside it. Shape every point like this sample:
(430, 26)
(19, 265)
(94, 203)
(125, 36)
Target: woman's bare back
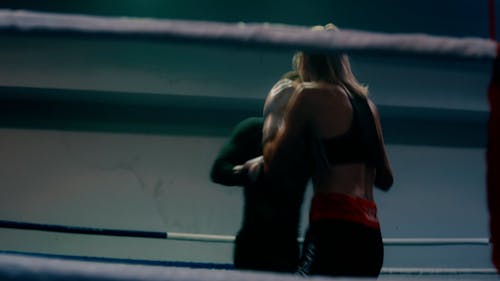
(333, 118)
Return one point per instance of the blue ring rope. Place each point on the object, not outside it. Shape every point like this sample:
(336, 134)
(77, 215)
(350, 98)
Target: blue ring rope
(83, 230)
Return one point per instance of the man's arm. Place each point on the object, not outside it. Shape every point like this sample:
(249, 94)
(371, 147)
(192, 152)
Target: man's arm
(243, 144)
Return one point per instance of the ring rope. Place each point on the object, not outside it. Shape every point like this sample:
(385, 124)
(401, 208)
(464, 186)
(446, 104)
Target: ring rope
(263, 34)
(36, 267)
(387, 241)
(193, 237)
(81, 230)
(436, 271)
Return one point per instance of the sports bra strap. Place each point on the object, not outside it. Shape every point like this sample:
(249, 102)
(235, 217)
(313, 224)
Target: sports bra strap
(360, 143)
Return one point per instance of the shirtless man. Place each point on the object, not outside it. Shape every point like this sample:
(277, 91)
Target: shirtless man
(267, 239)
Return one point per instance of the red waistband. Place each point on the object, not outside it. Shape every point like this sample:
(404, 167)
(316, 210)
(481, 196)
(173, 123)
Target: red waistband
(344, 207)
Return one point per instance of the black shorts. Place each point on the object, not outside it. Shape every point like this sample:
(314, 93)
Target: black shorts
(255, 251)
(341, 248)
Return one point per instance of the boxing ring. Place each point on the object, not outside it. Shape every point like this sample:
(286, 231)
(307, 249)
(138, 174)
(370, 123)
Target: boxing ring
(29, 266)
(32, 266)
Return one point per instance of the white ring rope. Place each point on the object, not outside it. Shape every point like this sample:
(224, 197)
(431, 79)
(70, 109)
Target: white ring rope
(216, 238)
(200, 237)
(436, 271)
(434, 241)
(387, 241)
(25, 267)
(271, 35)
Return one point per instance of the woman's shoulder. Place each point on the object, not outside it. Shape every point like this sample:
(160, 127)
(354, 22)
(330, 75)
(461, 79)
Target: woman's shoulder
(321, 91)
(320, 87)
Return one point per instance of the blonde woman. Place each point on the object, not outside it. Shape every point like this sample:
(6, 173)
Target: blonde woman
(331, 118)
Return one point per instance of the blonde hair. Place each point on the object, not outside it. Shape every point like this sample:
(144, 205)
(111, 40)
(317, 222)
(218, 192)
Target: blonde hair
(331, 68)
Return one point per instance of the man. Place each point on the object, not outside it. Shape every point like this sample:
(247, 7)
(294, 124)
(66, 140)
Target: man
(267, 239)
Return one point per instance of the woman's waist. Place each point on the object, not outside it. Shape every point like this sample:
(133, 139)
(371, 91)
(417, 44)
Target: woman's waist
(351, 184)
(352, 190)
(334, 205)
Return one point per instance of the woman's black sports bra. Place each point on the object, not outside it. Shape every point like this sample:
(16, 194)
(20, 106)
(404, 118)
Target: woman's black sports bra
(359, 144)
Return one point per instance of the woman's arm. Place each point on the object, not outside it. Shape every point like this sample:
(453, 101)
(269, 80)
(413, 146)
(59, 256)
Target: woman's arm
(384, 177)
